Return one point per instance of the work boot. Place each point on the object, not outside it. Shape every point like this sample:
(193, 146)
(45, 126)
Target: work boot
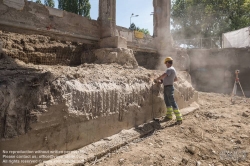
(178, 122)
(178, 114)
(166, 118)
(156, 120)
(169, 113)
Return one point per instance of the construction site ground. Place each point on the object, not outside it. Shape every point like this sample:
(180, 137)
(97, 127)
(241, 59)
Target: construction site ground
(217, 134)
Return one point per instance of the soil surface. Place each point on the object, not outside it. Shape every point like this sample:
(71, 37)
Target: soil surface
(216, 135)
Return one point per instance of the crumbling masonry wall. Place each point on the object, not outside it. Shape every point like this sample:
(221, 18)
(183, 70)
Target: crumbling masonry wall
(145, 44)
(153, 60)
(22, 16)
(65, 108)
(26, 17)
(39, 49)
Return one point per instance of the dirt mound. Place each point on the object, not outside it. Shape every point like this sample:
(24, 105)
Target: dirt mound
(40, 102)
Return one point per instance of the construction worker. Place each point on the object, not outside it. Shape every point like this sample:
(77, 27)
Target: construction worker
(168, 78)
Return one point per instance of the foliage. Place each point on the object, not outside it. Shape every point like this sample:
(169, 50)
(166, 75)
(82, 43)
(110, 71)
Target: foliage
(208, 18)
(49, 3)
(80, 7)
(134, 28)
(38, 1)
(145, 31)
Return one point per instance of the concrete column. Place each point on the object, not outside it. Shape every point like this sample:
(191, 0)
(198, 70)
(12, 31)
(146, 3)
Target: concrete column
(162, 34)
(107, 18)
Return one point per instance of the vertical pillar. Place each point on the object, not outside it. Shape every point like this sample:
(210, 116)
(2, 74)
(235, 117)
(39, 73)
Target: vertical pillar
(107, 19)
(162, 34)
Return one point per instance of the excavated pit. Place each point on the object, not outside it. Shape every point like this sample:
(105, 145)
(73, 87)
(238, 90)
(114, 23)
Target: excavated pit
(53, 107)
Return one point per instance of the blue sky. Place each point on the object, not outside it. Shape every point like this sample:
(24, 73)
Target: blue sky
(124, 9)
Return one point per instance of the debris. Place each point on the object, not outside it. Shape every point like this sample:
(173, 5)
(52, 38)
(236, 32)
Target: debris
(121, 161)
(184, 161)
(191, 149)
(205, 157)
(238, 141)
(150, 144)
(236, 125)
(244, 136)
(213, 151)
(197, 115)
(163, 156)
(76, 75)
(218, 164)
(198, 163)
(107, 139)
(244, 114)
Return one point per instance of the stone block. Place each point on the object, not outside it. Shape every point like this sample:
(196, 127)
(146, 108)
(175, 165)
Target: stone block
(122, 56)
(17, 4)
(55, 12)
(113, 42)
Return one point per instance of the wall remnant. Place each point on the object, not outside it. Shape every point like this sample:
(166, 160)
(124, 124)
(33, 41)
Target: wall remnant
(113, 42)
(70, 107)
(61, 25)
(146, 44)
(153, 60)
(38, 19)
(213, 70)
(120, 56)
(17, 4)
(149, 60)
(38, 49)
(55, 12)
(128, 35)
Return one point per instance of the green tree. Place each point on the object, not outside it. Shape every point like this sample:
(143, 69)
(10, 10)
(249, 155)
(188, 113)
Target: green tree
(38, 1)
(132, 27)
(80, 7)
(208, 18)
(145, 31)
(49, 3)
